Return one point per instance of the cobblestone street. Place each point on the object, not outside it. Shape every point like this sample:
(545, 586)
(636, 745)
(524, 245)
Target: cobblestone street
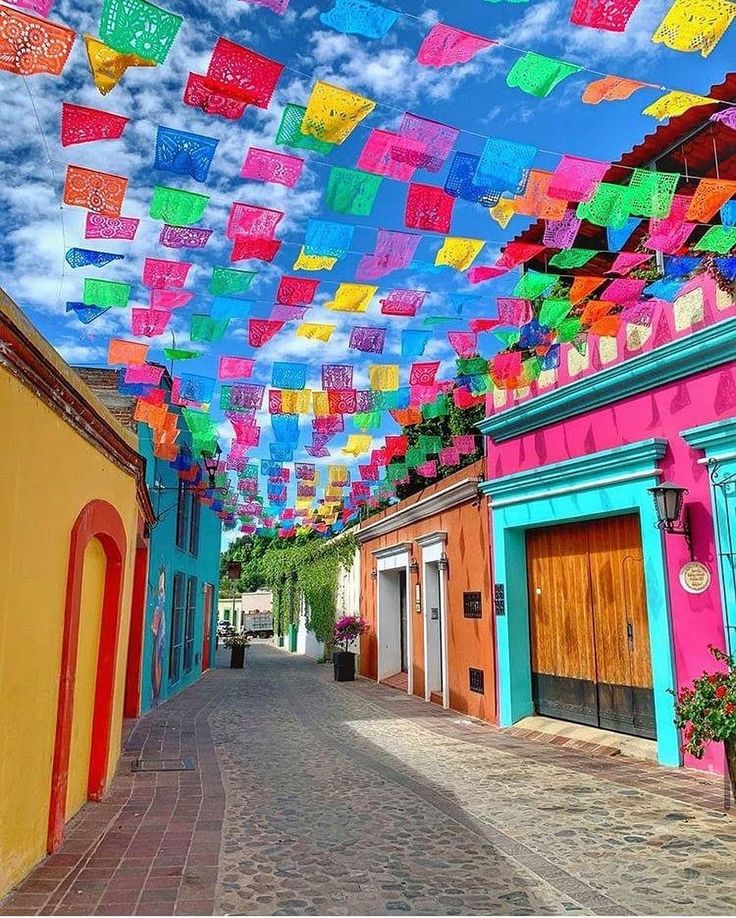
(311, 797)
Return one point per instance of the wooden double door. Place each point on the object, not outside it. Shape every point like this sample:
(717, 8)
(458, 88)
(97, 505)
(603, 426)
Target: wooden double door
(589, 630)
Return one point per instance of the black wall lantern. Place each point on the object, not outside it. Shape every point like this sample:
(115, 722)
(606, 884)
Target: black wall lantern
(414, 566)
(672, 515)
(443, 563)
(212, 463)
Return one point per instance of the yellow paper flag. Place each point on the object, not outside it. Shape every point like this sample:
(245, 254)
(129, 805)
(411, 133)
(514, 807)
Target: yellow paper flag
(306, 262)
(357, 444)
(315, 331)
(108, 65)
(296, 401)
(352, 298)
(384, 377)
(321, 403)
(674, 103)
(333, 113)
(503, 211)
(337, 473)
(459, 252)
(695, 25)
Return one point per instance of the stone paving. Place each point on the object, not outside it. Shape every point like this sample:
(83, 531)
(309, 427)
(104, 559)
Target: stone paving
(315, 797)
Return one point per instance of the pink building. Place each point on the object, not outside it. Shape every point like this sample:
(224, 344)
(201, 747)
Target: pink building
(600, 613)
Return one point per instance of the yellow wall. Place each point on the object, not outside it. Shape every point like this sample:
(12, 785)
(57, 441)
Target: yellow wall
(48, 473)
(90, 617)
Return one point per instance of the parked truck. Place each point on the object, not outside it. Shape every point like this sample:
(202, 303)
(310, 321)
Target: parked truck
(258, 624)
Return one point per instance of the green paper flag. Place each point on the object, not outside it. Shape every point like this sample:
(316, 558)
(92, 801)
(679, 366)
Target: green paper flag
(429, 444)
(177, 207)
(290, 135)
(569, 329)
(538, 75)
(436, 409)
(105, 293)
(719, 239)
(471, 366)
(350, 191)
(609, 206)
(572, 258)
(367, 420)
(176, 353)
(533, 284)
(553, 312)
(138, 27)
(230, 280)
(414, 456)
(203, 328)
(651, 193)
(395, 471)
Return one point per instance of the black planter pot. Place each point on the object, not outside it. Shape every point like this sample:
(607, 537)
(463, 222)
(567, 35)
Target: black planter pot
(343, 662)
(237, 656)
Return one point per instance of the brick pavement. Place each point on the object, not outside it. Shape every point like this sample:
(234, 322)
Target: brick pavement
(450, 816)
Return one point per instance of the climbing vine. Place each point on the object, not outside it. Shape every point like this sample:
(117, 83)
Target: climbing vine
(308, 570)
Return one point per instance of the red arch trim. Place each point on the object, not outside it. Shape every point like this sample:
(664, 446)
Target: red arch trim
(97, 520)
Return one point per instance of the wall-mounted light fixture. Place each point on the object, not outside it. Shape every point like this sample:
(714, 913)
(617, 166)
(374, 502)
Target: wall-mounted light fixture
(672, 515)
(374, 574)
(443, 563)
(414, 565)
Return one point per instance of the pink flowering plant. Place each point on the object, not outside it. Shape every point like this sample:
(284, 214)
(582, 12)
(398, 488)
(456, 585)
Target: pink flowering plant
(706, 712)
(348, 629)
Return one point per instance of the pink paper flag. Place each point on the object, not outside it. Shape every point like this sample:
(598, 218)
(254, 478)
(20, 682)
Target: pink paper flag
(235, 368)
(576, 179)
(249, 220)
(402, 302)
(276, 6)
(169, 299)
(464, 444)
(255, 247)
(377, 155)
(449, 456)
(282, 313)
(157, 272)
(144, 374)
(41, 7)
(184, 237)
(98, 226)
(444, 46)
(608, 15)
(465, 344)
(393, 250)
(627, 261)
(277, 168)
(438, 140)
(80, 124)
(149, 322)
(624, 290)
(481, 273)
(560, 234)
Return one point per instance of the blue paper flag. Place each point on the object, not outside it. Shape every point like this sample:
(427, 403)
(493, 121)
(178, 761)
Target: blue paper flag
(331, 240)
(184, 154)
(282, 451)
(617, 238)
(504, 165)
(85, 313)
(728, 213)
(227, 307)
(726, 266)
(289, 375)
(664, 289)
(81, 258)
(136, 389)
(681, 266)
(285, 428)
(460, 181)
(359, 17)
(413, 342)
(199, 389)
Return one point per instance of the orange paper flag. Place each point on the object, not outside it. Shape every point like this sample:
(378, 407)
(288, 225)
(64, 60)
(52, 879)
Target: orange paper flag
(100, 192)
(108, 65)
(611, 89)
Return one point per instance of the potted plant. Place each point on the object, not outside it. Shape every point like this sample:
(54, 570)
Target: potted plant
(706, 712)
(237, 644)
(347, 629)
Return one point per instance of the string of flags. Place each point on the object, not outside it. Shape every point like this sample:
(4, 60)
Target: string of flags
(684, 221)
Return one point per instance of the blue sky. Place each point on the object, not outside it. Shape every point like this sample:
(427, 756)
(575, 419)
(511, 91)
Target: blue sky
(472, 97)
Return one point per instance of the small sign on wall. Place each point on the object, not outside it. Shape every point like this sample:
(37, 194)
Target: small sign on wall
(417, 599)
(695, 577)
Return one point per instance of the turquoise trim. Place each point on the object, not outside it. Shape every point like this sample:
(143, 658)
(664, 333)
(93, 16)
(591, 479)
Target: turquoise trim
(718, 441)
(631, 460)
(524, 502)
(694, 353)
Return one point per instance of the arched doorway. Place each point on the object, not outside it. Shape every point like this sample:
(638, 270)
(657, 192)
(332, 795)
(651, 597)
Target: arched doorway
(100, 521)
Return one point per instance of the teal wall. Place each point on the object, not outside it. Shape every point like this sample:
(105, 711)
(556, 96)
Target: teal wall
(165, 560)
(611, 482)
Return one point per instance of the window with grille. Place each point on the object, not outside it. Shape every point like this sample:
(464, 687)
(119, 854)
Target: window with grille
(472, 605)
(177, 629)
(477, 680)
(194, 527)
(191, 609)
(181, 515)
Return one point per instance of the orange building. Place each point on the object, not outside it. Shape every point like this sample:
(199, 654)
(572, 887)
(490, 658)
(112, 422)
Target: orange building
(73, 529)
(426, 592)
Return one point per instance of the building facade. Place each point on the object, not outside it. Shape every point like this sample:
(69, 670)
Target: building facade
(425, 589)
(73, 523)
(234, 610)
(177, 636)
(601, 621)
